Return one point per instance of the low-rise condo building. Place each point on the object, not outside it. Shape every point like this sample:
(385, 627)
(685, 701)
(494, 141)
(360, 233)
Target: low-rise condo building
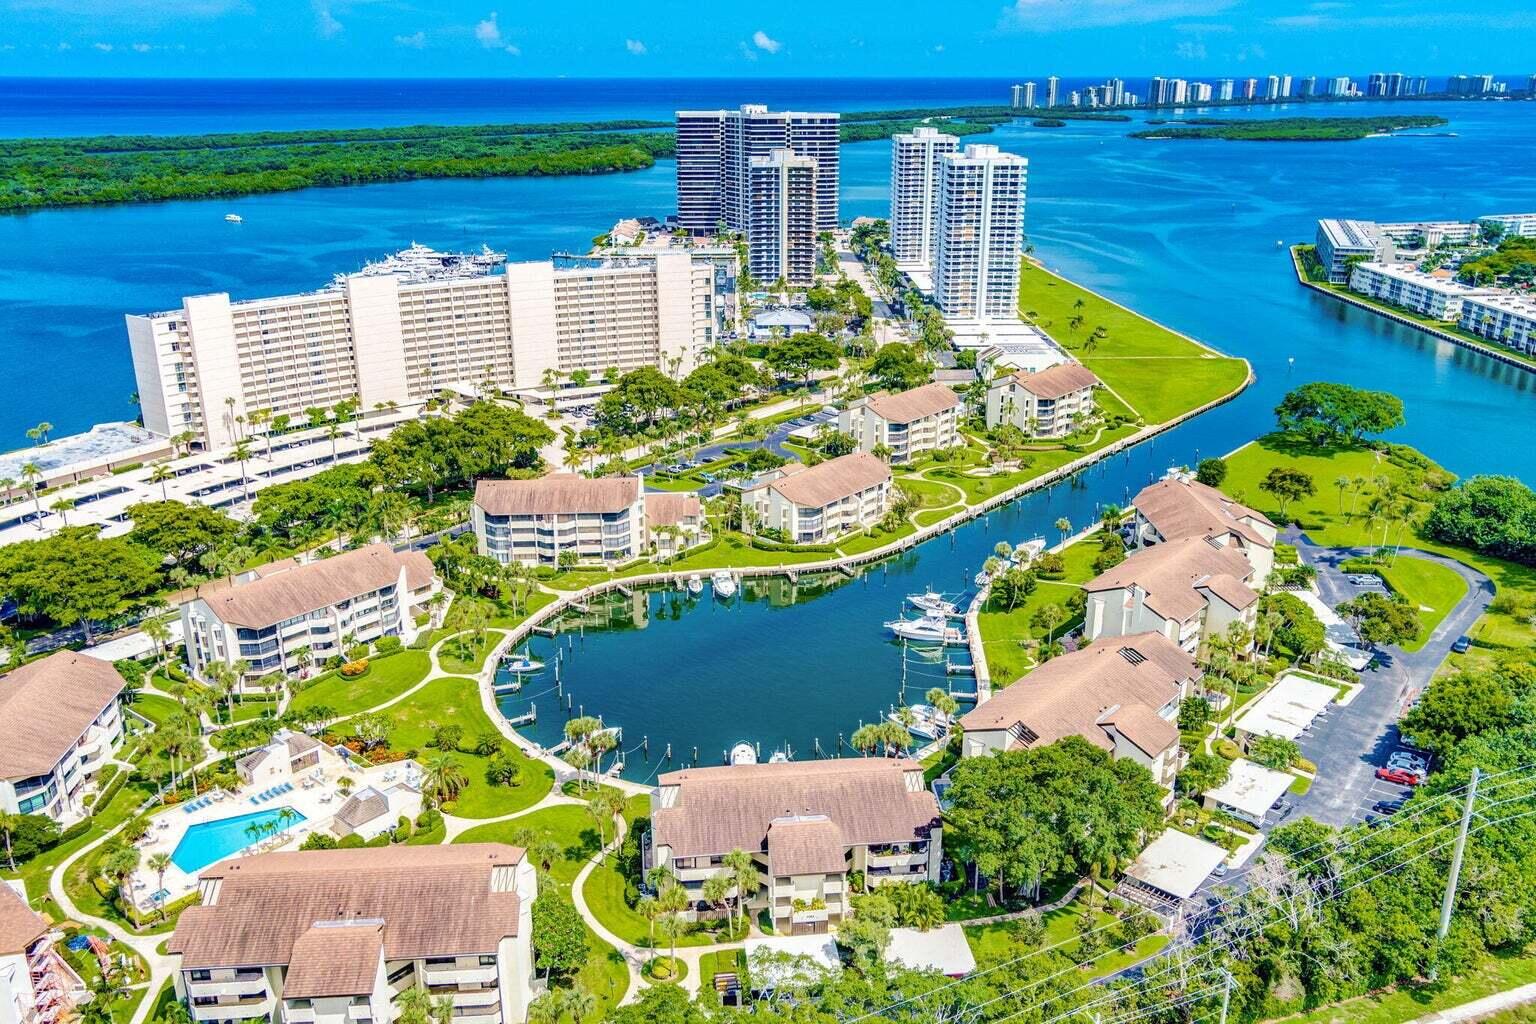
(62, 725)
(1427, 234)
(1425, 294)
(1505, 318)
(1179, 507)
(285, 616)
(1187, 590)
(1339, 240)
(907, 423)
(36, 985)
(1121, 695)
(1051, 403)
(336, 936)
(809, 505)
(208, 365)
(674, 522)
(805, 824)
(535, 521)
(1521, 224)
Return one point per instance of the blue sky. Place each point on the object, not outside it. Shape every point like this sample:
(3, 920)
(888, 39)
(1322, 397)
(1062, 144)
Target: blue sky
(670, 38)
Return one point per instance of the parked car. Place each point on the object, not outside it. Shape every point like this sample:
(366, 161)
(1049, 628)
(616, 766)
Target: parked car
(1462, 643)
(1400, 776)
(1412, 762)
(1387, 807)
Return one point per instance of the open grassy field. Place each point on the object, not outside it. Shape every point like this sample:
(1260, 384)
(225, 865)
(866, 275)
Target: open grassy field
(1007, 635)
(994, 943)
(1433, 589)
(572, 828)
(387, 678)
(1159, 373)
(604, 892)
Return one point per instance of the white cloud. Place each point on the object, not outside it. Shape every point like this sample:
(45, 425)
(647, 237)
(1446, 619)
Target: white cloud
(1298, 21)
(65, 46)
(747, 51)
(635, 47)
(325, 22)
(763, 41)
(1190, 51)
(1059, 15)
(103, 47)
(414, 41)
(142, 47)
(488, 32)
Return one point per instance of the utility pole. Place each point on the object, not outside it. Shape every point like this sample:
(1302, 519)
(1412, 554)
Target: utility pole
(1227, 981)
(1461, 844)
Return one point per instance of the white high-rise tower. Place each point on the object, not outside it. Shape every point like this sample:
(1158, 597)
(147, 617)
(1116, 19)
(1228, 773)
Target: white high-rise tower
(915, 158)
(781, 218)
(980, 234)
(715, 150)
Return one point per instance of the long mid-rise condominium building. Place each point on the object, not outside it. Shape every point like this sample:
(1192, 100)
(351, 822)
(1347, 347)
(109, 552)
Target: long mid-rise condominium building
(980, 234)
(915, 159)
(715, 154)
(782, 218)
(206, 366)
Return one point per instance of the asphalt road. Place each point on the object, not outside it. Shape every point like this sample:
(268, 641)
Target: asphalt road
(774, 442)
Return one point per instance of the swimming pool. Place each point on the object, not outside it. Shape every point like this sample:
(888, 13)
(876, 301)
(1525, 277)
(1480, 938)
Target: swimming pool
(210, 841)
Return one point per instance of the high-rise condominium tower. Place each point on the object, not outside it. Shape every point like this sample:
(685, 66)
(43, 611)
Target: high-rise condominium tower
(715, 151)
(1052, 91)
(782, 217)
(980, 234)
(915, 175)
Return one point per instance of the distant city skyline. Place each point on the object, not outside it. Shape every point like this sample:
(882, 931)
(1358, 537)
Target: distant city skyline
(667, 38)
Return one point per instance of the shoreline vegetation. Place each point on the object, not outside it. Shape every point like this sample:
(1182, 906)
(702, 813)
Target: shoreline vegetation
(42, 173)
(1288, 129)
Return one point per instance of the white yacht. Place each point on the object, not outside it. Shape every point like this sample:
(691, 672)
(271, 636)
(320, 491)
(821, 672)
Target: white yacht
(743, 753)
(779, 757)
(724, 582)
(928, 722)
(234, 218)
(930, 627)
(931, 601)
(1027, 552)
(695, 585)
(522, 663)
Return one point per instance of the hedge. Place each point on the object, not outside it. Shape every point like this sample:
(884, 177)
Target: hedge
(763, 544)
(1228, 749)
(105, 794)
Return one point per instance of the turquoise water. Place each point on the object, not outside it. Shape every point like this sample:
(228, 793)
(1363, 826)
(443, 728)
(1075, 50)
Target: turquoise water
(209, 842)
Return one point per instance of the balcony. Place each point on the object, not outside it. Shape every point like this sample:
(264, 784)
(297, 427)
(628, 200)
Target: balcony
(236, 1009)
(478, 996)
(230, 988)
(452, 975)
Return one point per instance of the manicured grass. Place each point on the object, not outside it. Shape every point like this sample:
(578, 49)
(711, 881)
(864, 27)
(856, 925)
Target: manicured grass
(1159, 373)
(154, 707)
(723, 961)
(571, 827)
(1007, 635)
(1433, 589)
(605, 975)
(505, 618)
(386, 679)
(980, 488)
(469, 659)
(994, 943)
(455, 700)
(929, 516)
(931, 493)
(664, 970)
(604, 893)
(35, 872)
(1405, 1004)
(874, 539)
(735, 550)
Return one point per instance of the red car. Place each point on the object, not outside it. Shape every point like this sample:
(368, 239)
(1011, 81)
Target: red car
(1399, 776)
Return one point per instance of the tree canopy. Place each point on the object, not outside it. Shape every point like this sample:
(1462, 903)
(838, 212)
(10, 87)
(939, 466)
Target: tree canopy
(897, 367)
(1495, 515)
(1327, 413)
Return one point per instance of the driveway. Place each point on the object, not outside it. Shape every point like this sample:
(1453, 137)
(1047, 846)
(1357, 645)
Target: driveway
(774, 442)
(1353, 741)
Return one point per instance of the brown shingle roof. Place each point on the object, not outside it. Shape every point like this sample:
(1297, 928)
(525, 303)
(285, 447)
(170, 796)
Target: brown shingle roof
(722, 809)
(1231, 590)
(670, 509)
(906, 406)
(1069, 695)
(361, 808)
(1172, 573)
(833, 480)
(20, 925)
(563, 493)
(334, 960)
(301, 743)
(284, 594)
(433, 900)
(1144, 727)
(47, 705)
(1056, 381)
(806, 846)
(1180, 509)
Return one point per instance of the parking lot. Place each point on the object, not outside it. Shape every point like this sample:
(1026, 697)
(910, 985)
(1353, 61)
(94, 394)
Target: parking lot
(774, 442)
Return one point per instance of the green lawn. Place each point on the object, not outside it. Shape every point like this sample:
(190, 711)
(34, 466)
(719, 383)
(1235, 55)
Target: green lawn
(1159, 373)
(1433, 588)
(571, 827)
(929, 516)
(1406, 1004)
(154, 707)
(995, 943)
(469, 659)
(504, 618)
(1006, 634)
(724, 961)
(34, 873)
(386, 679)
(455, 700)
(980, 488)
(735, 550)
(604, 892)
(874, 539)
(931, 493)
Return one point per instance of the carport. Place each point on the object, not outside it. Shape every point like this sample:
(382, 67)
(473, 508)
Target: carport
(1250, 791)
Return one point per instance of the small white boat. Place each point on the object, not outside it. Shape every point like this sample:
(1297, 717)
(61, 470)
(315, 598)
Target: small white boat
(695, 584)
(724, 583)
(930, 601)
(779, 757)
(927, 722)
(743, 753)
(1027, 552)
(930, 627)
(234, 218)
(982, 579)
(522, 663)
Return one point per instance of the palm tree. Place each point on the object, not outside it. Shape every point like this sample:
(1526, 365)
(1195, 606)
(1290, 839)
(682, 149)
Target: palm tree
(62, 507)
(9, 823)
(333, 431)
(32, 474)
(865, 739)
(162, 475)
(159, 863)
(604, 805)
(743, 873)
(579, 1003)
(160, 634)
(717, 889)
(673, 899)
(443, 777)
(39, 433)
(241, 453)
(1064, 525)
(648, 908)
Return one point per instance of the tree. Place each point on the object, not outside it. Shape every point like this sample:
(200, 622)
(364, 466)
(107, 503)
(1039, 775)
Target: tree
(1274, 752)
(1211, 472)
(443, 778)
(1326, 413)
(801, 354)
(897, 367)
(159, 863)
(743, 872)
(1203, 772)
(559, 936)
(179, 533)
(26, 836)
(636, 402)
(1495, 515)
(1287, 484)
(1064, 527)
(1380, 619)
(1013, 587)
(75, 576)
(1457, 707)
(1048, 617)
(604, 806)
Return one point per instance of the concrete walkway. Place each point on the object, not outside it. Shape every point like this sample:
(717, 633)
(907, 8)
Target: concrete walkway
(1480, 1008)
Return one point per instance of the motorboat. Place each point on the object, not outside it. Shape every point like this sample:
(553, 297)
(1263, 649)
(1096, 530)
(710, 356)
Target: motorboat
(779, 757)
(1027, 552)
(695, 585)
(928, 722)
(931, 601)
(931, 627)
(724, 583)
(982, 578)
(234, 218)
(522, 663)
(743, 753)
